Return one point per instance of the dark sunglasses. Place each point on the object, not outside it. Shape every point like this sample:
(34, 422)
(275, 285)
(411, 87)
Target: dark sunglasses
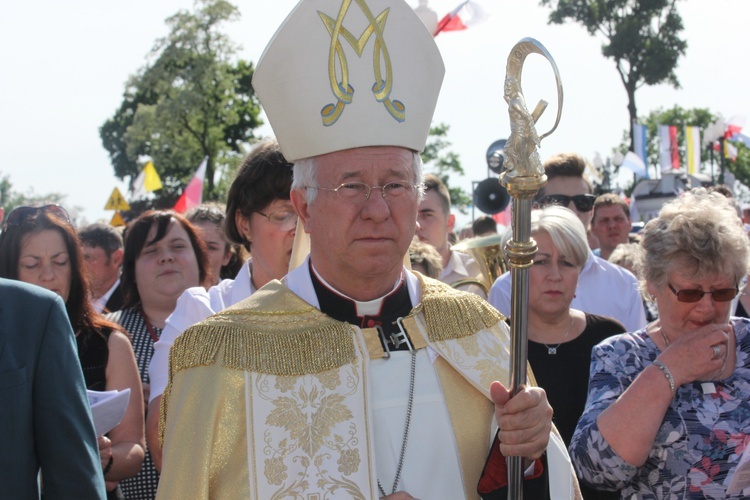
(19, 215)
(723, 295)
(583, 202)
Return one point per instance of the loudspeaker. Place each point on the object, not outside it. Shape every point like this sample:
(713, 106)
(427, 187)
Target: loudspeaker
(490, 196)
(496, 156)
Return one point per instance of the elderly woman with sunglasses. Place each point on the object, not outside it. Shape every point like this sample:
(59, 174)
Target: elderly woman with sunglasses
(39, 245)
(261, 218)
(667, 412)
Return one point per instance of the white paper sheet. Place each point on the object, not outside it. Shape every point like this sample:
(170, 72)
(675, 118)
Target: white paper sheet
(108, 408)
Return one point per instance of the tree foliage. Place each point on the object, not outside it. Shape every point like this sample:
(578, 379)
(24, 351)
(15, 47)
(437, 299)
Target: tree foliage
(642, 37)
(194, 100)
(444, 163)
(10, 198)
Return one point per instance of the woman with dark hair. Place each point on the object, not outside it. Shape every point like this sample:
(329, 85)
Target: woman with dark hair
(164, 255)
(39, 245)
(261, 218)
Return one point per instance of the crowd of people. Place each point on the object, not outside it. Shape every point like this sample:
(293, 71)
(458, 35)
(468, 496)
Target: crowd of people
(321, 335)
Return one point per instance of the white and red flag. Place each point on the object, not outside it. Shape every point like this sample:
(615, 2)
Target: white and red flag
(669, 154)
(193, 194)
(467, 14)
(734, 126)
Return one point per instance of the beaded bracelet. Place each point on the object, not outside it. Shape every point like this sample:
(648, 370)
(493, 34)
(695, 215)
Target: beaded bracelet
(108, 466)
(661, 366)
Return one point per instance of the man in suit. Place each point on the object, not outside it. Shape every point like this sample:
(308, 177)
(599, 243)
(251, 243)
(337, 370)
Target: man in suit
(45, 421)
(102, 254)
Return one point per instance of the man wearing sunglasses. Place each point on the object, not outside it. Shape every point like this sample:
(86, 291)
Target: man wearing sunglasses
(603, 288)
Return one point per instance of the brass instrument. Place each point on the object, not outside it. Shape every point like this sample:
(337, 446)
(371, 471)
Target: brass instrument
(488, 253)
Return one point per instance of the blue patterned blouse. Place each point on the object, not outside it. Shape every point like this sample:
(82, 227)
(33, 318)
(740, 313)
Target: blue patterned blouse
(700, 440)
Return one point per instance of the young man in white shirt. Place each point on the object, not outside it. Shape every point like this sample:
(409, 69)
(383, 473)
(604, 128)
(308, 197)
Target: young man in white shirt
(435, 224)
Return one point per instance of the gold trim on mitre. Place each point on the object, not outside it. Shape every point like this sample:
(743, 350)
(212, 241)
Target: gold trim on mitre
(342, 74)
(451, 313)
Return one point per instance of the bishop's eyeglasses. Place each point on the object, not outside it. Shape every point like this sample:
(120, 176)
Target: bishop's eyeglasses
(359, 192)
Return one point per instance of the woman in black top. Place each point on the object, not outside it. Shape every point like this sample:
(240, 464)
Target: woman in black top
(561, 338)
(39, 245)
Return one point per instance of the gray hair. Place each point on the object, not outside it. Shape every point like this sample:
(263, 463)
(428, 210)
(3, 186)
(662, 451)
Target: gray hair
(566, 231)
(305, 174)
(627, 255)
(698, 234)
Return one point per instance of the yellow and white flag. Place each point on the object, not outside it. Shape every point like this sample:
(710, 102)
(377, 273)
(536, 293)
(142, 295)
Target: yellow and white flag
(147, 181)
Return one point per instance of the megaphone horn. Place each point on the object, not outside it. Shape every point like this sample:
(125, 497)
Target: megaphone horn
(490, 196)
(496, 156)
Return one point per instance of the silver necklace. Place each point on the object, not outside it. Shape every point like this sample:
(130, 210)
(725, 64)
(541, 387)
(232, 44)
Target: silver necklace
(552, 349)
(406, 427)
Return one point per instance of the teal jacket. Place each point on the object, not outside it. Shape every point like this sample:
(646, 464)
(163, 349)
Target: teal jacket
(45, 421)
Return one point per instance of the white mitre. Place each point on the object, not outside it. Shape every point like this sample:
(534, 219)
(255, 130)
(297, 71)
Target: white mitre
(341, 74)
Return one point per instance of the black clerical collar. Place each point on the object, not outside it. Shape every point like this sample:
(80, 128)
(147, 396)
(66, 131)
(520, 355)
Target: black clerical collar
(397, 304)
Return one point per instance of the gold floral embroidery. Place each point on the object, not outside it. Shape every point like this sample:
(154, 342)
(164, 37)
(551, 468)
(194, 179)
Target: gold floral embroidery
(285, 383)
(275, 470)
(348, 461)
(330, 379)
(317, 428)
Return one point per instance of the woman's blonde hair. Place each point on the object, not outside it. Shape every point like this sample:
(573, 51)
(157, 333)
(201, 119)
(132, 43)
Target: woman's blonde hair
(566, 231)
(698, 234)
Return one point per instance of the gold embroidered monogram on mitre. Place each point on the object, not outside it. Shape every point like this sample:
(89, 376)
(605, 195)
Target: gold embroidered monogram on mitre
(340, 86)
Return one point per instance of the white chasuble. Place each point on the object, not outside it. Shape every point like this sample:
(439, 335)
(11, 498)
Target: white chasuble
(273, 399)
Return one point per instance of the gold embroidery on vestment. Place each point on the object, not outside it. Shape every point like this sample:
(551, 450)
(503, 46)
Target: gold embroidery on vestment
(279, 343)
(451, 314)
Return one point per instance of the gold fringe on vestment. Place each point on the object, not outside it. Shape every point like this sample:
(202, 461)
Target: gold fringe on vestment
(452, 314)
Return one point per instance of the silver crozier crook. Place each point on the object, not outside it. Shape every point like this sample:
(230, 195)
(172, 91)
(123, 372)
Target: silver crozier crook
(523, 177)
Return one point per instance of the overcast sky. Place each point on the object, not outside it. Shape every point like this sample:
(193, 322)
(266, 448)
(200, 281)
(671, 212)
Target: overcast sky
(63, 67)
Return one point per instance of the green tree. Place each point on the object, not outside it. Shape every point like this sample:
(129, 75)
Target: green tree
(641, 37)
(444, 163)
(194, 100)
(10, 198)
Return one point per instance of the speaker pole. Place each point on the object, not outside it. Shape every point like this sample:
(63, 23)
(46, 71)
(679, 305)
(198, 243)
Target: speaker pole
(473, 202)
